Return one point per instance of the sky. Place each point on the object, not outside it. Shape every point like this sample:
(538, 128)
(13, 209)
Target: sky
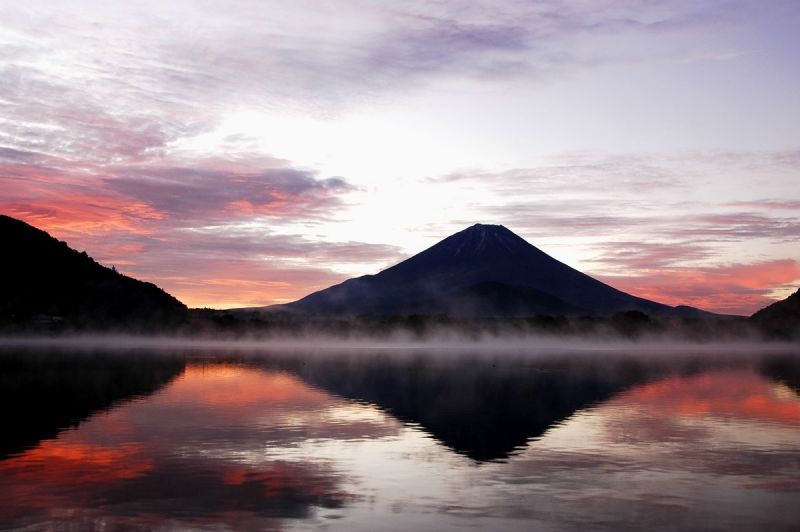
(244, 153)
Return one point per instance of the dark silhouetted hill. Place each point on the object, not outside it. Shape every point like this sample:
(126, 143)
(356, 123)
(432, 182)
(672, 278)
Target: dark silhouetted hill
(47, 285)
(780, 319)
(43, 393)
(484, 270)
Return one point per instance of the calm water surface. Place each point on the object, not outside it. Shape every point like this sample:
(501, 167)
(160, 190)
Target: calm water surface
(365, 441)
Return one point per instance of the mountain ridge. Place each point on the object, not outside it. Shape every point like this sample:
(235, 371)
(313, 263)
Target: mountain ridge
(781, 318)
(47, 282)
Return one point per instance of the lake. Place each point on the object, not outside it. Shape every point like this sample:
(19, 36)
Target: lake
(393, 439)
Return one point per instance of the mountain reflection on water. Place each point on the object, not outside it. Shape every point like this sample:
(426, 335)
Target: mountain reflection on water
(375, 441)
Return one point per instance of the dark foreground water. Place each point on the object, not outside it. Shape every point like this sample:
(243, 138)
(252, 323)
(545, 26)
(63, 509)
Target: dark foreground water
(384, 440)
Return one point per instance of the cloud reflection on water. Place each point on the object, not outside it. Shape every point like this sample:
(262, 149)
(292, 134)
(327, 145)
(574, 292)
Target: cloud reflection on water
(251, 444)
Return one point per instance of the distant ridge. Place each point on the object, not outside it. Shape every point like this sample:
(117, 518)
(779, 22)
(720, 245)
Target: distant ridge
(483, 270)
(43, 281)
(780, 318)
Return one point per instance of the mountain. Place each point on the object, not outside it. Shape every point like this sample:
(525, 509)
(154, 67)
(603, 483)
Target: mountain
(781, 318)
(484, 270)
(485, 409)
(44, 282)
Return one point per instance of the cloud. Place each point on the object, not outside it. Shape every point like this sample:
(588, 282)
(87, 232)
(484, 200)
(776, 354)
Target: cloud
(204, 233)
(227, 266)
(360, 48)
(768, 205)
(11, 154)
(730, 289)
(45, 186)
(644, 256)
(96, 82)
(94, 120)
(555, 219)
(206, 193)
(736, 226)
(588, 173)
(82, 214)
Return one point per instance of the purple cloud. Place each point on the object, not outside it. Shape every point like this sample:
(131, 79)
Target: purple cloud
(642, 256)
(208, 194)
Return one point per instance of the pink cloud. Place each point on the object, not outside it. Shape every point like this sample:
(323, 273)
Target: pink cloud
(731, 289)
(769, 204)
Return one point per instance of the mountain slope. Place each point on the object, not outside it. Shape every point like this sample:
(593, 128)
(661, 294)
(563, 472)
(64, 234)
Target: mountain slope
(782, 318)
(42, 279)
(498, 300)
(463, 263)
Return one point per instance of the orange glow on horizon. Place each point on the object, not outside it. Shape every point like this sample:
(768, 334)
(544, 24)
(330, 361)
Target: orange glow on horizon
(737, 289)
(221, 293)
